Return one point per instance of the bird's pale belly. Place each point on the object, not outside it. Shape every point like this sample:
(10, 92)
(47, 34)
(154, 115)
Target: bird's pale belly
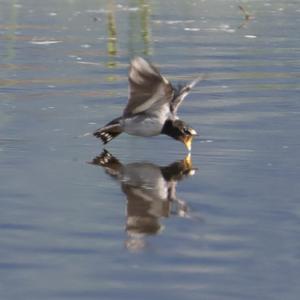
(142, 126)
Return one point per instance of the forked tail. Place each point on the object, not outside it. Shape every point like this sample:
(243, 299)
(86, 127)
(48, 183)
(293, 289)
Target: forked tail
(109, 131)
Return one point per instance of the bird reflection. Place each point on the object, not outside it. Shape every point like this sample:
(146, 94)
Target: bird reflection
(150, 191)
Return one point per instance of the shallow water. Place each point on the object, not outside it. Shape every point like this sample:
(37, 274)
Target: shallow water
(70, 230)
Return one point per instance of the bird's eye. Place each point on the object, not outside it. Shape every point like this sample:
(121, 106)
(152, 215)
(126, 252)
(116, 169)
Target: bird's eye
(186, 130)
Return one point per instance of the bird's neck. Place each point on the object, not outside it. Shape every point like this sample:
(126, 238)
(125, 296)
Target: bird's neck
(169, 129)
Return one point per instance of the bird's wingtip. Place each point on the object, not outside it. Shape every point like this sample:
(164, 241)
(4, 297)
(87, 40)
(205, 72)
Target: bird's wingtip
(197, 80)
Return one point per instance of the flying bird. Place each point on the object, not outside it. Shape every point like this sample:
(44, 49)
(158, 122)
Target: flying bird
(152, 107)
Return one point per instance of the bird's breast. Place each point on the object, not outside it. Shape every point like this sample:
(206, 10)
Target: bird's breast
(142, 125)
(149, 123)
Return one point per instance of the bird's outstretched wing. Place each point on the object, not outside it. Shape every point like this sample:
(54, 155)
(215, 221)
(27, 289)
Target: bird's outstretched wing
(183, 92)
(148, 89)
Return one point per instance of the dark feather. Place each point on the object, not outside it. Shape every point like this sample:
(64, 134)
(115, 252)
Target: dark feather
(182, 91)
(109, 131)
(147, 87)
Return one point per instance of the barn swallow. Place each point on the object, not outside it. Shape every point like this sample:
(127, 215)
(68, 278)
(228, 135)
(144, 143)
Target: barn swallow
(152, 107)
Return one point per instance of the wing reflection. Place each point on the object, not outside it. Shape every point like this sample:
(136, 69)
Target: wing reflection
(150, 191)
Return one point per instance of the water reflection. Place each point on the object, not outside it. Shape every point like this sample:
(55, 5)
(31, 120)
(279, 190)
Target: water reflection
(150, 191)
(139, 33)
(10, 36)
(139, 38)
(112, 34)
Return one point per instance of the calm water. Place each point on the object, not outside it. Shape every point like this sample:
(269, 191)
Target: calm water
(71, 230)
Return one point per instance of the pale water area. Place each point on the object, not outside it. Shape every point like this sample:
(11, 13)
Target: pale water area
(221, 224)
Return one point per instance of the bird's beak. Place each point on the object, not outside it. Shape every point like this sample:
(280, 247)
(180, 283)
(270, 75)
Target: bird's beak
(193, 131)
(188, 142)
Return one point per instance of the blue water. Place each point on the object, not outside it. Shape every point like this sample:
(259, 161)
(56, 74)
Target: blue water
(70, 230)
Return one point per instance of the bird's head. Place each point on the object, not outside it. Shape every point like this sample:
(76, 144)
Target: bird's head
(180, 131)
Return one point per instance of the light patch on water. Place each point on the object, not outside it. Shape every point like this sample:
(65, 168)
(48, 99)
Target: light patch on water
(249, 36)
(132, 8)
(191, 29)
(206, 141)
(44, 43)
(97, 11)
(127, 8)
(86, 46)
(107, 38)
(222, 27)
(75, 56)
(89, 63)
(47, 108)
(173, 22)
(85, 135)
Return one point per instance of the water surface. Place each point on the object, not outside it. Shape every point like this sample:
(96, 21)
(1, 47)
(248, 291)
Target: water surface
(227, 230)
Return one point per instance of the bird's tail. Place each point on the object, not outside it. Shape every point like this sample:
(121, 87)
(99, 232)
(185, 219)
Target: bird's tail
(109, 131)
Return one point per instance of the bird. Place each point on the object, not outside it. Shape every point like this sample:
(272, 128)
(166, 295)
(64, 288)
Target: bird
(246, 14)
(152, 106)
